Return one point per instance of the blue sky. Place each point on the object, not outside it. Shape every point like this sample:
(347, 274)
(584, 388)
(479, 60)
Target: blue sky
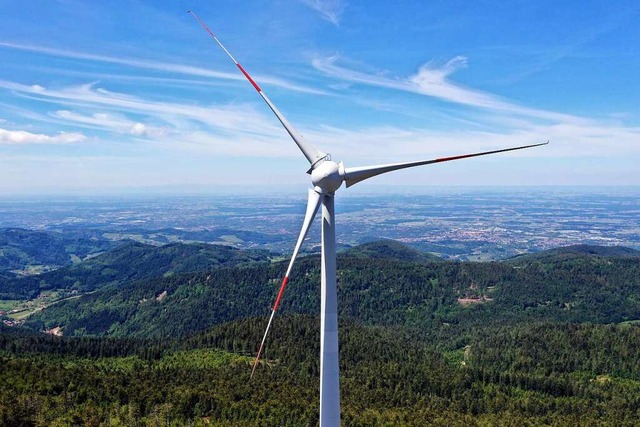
(105, 96)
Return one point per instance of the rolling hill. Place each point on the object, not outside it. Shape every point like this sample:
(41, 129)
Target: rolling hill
(21, 248)
(577, 251)
(129, 262)
(375, 291)
(389, 249)
(543, 340)
(535, 374)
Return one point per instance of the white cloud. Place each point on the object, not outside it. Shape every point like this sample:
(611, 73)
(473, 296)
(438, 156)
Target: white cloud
(331, 10)
(174, 68)
(389, 144)
(432, 80)
(237, 130)
(138, 129)
(242, 131)
(111, 122)
(23, 137)
(225, 118)
(510, 124)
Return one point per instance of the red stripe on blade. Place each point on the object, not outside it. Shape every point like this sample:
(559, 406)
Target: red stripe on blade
(249, 78)
(203, 24)
(446, 159)
(255, 362)
(273, 312)
(280, 292)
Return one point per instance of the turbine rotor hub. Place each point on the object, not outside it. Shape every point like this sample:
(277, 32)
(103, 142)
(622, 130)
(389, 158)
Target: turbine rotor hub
(327, 177)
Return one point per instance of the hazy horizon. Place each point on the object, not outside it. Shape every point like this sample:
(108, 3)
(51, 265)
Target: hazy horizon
(288, 190)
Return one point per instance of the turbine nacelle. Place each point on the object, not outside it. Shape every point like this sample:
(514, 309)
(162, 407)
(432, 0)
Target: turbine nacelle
(328, 176)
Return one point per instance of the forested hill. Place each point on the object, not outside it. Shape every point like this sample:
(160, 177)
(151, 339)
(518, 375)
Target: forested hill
(529, 374)
(130, 262)
(549, 340)
(21, 248)
(577, 251)
(389, 249)
(375, 291)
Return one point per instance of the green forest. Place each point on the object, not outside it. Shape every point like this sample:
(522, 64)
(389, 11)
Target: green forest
(536, 374)
(548, 339)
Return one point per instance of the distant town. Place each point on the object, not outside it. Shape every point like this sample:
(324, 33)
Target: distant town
(459, 223)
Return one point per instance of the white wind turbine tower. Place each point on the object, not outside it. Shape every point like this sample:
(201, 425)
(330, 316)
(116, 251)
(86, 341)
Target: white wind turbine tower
(327, 176)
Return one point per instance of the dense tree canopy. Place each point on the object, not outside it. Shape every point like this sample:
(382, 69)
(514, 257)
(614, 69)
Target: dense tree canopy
(547, 340)
(540, 374)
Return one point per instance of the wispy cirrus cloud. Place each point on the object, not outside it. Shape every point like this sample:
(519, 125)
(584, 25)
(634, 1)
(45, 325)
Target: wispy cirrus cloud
(229, 118)
(433, 80)
(378, 144)
(173, 68)
(237, 130)
(512, 124)
(21, 137)
(111, 122)
(331, 10)
(241, 130)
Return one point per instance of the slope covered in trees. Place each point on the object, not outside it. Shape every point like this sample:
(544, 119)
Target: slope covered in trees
(129, 262)
(544, 340)
(568, 252)
(389, 249)
(576, 288)
(531, 374)
(21, 248)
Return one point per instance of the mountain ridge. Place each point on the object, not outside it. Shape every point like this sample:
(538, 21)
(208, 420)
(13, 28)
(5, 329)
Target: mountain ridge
(385, 292)
(579, 250)
(133, 261)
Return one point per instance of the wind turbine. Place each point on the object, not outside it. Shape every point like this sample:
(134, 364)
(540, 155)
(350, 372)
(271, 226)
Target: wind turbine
(327, 176)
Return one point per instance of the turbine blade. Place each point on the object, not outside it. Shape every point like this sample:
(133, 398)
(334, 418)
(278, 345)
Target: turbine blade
(355, 175)
(312, 154)
(313, 203)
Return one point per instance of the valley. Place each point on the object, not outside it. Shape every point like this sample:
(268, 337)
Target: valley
(141, 323)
